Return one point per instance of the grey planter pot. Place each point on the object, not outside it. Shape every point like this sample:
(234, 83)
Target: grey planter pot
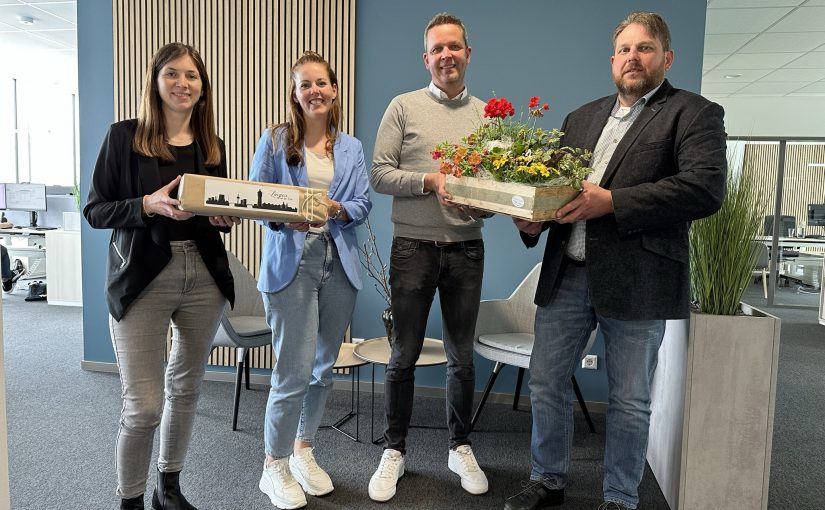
(730, 391)
(713, 409)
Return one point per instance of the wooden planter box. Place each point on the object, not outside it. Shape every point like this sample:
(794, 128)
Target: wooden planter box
(712, 410)
(216, 196)
(534, 203)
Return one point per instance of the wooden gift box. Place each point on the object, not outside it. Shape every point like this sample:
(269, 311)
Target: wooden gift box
(534, 203)
(216, 196)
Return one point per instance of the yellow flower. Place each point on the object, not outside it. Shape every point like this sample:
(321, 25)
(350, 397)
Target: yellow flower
(499, 162)
(540, 169)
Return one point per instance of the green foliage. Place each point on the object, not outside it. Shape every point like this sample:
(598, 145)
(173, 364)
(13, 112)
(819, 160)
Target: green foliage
(722, 254)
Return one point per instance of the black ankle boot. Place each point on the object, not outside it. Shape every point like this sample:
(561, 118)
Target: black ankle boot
(167, 494)
(132, 503)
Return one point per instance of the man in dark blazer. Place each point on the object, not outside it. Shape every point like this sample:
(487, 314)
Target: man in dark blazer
(617, 257)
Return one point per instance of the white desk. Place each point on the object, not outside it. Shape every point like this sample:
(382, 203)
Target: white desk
(28, 244)
(795, 242)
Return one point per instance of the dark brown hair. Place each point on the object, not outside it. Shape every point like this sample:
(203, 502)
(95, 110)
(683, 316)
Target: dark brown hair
(294, 130)
(654, 24)
(150, 137)
(445, 18)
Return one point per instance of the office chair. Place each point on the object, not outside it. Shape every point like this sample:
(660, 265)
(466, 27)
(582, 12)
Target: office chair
(243, 327)
(504, 334)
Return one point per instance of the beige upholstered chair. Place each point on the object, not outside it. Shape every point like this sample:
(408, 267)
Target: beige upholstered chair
(243, 327)
(504, 334)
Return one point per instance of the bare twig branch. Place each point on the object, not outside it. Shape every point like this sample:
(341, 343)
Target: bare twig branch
(374, 265)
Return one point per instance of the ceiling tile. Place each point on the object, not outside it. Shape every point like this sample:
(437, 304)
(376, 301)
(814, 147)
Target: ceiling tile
(739, 21)
(726, 4)
(64, 10)
(758, 60)
(725, 43)
(708, 62)
(25, 41)
(812, 60)
(816, 88)
(748, 75)
(784, 42)
(768, 89)
(10, 14)
(65, 37)
(795, 75)
(804, 19)
(720, 88)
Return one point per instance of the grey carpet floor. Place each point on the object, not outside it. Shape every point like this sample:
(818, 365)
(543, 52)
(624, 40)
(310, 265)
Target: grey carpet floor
(62, 423)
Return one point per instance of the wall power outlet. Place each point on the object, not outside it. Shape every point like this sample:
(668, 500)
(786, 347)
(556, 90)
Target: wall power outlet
(590, 362)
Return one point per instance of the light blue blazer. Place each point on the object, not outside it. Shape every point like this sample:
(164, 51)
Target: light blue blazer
(283, 247)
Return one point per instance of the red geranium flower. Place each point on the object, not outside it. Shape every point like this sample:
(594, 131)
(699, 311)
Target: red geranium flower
(546, 106)
(499, 108)
(534, 101)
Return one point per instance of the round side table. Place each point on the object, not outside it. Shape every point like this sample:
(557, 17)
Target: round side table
(377, 352)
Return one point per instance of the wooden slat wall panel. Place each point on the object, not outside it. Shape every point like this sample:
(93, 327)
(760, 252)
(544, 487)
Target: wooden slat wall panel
(248, 47)
(802, 184)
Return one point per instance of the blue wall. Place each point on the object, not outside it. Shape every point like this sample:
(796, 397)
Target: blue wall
(558, 50)
(96, 101)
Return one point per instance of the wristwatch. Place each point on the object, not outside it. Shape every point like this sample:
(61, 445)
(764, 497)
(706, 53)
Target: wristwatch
(339, 214)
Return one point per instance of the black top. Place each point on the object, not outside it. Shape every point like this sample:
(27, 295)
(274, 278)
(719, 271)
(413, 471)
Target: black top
(139, 248)
(184, 163)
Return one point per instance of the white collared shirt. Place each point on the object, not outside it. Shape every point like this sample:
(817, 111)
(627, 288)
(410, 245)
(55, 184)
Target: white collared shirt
(440, 94)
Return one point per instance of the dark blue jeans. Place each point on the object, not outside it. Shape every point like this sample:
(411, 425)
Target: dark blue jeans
(631, 353)
(417, 269)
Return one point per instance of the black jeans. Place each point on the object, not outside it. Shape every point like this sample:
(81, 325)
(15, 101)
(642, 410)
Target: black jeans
(417, 269)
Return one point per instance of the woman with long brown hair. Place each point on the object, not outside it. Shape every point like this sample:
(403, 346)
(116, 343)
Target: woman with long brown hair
(309, 276)
(165, 266)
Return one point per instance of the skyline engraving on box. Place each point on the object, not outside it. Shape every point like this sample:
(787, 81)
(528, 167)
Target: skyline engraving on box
(245, 196)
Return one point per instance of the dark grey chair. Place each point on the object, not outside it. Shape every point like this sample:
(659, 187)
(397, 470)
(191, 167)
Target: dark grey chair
(243, 327)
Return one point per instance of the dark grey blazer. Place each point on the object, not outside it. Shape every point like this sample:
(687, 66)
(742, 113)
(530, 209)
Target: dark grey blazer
(668, 170)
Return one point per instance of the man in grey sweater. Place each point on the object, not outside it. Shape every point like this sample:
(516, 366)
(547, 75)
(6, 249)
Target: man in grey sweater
(436, 246)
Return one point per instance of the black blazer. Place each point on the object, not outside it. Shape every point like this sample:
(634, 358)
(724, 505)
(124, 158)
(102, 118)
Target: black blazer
(139, 247)
(669, 169)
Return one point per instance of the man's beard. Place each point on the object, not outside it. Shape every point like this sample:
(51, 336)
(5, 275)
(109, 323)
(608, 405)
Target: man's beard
(639, 87)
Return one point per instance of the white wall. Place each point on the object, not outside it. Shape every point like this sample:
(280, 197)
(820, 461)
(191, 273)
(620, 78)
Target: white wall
(46, 81)
(774, 116)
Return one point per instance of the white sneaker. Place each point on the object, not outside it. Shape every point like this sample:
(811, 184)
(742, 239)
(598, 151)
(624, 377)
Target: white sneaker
(463, 463)
(277, 483)
(314, 480)
(383, 481)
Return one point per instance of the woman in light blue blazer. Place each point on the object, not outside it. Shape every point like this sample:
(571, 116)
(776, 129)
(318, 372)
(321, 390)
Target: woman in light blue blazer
(310, 274)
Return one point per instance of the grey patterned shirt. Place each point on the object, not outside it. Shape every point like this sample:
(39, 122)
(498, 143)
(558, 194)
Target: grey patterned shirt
(618, 123)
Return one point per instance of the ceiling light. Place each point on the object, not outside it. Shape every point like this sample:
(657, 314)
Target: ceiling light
(25, 20)
(816, 165)
(732, 76)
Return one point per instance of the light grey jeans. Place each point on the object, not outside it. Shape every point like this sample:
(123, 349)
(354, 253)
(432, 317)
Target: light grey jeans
(184, 294)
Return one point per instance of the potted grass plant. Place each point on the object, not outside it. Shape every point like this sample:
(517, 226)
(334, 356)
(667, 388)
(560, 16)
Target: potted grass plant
(715, 388)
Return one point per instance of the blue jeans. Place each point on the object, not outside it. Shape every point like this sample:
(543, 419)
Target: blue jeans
(308, 319)
(631, 348)
(417, 269)
(184, 294)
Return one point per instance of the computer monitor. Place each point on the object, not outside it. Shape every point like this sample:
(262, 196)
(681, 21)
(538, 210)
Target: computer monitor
(26, 197)
(816, 215)
(786, 223)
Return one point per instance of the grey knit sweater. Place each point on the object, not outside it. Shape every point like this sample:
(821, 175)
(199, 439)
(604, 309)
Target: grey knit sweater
(413, 125)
